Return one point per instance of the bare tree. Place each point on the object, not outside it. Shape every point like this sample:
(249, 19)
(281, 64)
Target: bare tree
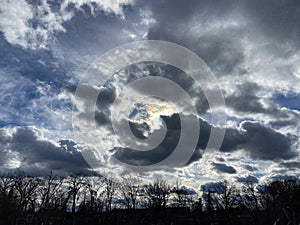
(129, 191)
(109, 192)
(209, 196)
(7, 195)
(75, 183)
(158, 194)
(228, 195)
(26, 189)
(220, 195)
(179, 195)
(183, 196)
(94, 184)
(48, 190)
(250, 195)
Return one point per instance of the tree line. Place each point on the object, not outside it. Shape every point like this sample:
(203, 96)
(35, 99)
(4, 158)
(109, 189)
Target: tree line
(76, 195)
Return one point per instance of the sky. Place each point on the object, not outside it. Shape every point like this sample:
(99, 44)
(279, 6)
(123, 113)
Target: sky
(251, 47)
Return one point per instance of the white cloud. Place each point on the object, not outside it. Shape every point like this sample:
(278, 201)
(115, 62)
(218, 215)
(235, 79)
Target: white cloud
(34, 26)
(14, 16)
(34, 103)
(139, 30)
(108, 6)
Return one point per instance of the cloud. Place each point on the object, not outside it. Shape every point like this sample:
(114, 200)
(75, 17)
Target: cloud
(252, 47)
(114, 7)
(260, 142)
(249, 138)
(291, 165)
(224, 168)
(265, 143)
(250, 168)
(156, 155)
(113, 88)
(237, 48)
(14, 16)
(33, 26)
(36, 103)
(184, 190)
(247, 179)
(284, 20)
(29, 26)
(245, 99)
(212, 187)
(233, 140)
(23, 145)
(256, 140)
(199, 28)
(282, 177)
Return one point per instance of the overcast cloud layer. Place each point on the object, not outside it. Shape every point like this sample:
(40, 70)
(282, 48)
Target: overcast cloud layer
(253, 48)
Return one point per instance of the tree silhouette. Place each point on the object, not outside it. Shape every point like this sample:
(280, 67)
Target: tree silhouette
(157, 194)
(78, 199)
(129, 191)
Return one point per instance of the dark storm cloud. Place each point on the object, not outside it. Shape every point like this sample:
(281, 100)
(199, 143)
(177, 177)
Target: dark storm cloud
(174, 12)
(256, 140)
(248, 179)
(167, 146)
(282, 123)
(245, 99)
(221, 167)
(223, 33)
(156, 155)
(42, 155)
(250, 168)
(291, 165)
(221, 54)
(222, 46)
(260, 142)
(213, 187)
(284, 177)
(105, 99)
(220, 159)
(265, 143)
(169, 72)
(281, 19)
(233, 140)
(106, 96)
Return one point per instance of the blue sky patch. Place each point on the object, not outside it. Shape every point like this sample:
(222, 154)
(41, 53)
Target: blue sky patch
(290, 100)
